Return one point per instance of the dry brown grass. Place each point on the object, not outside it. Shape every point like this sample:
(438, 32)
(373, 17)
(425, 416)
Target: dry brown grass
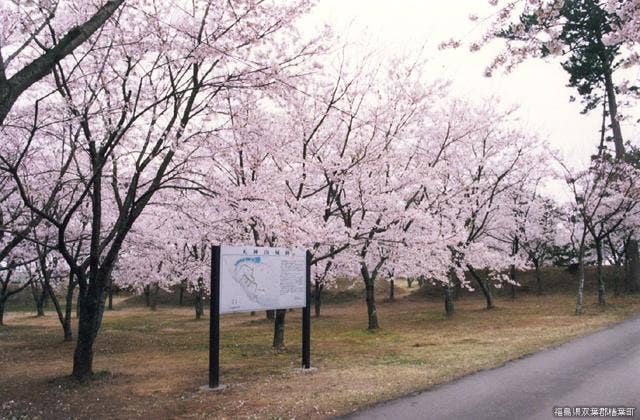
(153, 363)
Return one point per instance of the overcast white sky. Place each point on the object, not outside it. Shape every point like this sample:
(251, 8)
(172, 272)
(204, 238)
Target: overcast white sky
(537, 87)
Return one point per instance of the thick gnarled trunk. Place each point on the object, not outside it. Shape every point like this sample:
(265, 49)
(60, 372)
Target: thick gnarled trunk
(92, 300)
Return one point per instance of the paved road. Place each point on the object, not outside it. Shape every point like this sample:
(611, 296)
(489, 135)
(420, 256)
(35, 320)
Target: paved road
(602, 369)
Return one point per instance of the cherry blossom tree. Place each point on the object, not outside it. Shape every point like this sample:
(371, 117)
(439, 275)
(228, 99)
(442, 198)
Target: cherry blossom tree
(139, 120)
(605, 198)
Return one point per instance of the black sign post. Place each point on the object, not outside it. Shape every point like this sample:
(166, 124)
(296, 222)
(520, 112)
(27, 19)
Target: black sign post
(306, 317)
(214, 321)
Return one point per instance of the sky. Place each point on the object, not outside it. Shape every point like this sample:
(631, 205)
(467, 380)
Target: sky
(537, 87)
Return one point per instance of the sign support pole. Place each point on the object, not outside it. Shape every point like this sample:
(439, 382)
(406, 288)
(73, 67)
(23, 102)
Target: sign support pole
(306, 317)
(214, 321)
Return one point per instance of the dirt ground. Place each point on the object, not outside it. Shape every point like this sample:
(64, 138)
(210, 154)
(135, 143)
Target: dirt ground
(151, 364)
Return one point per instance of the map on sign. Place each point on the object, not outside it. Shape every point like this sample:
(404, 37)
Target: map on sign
(256, 278)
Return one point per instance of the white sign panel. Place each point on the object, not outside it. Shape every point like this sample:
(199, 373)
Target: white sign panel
(256, 279)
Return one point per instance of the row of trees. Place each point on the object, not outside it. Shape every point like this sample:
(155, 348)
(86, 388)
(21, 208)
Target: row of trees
(156, 135)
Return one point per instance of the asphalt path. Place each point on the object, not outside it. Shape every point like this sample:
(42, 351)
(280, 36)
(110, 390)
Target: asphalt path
(599, 370)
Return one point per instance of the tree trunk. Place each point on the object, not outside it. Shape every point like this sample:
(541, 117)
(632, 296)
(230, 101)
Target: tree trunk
(580, 299)
(371, 307)
(601, 286)
(66, 326)
(515, 248)
(448, 297)
(392, 290)
(409, 282)
(34, 294)
(633, 261)
(58, 308)
(91, 309)
(270, 314)
(181, 293)
(278, 329)
(512, 276)
(613, 108)
(153, 293)
(110, 305)
(2, 302)
(199, 305)
(147, 295)
(39, 297)
(317, 298)
(483, 287)
(538, 278)
(65, 318)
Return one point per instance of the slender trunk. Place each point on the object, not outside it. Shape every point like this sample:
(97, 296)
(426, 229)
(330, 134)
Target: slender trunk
(199, 305)
(633, 261)
(199, 301)
(110, 305)
(409, 282)
(448, 296)
(538, 278)
(515, 248)
(317, 298)
(484, 287)
(369, 282)
(58, 308)
(39, 297)
(147, 295)
(34, 294)
(580, 298)
(2, 302)
(181, 293)
(601, 286)
(278, 329)
(92, 301)
(42, 301)
(271, 314)
(613, 110)
(626, 277)
(154, 297)
(392, 290)
(512, 276)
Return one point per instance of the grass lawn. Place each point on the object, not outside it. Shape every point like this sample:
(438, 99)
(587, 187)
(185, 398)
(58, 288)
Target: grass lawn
(153, 363)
